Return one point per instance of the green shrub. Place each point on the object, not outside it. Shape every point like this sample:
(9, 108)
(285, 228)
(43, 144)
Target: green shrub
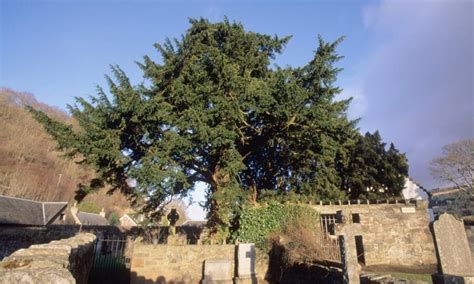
(114, 219)
(257, 223)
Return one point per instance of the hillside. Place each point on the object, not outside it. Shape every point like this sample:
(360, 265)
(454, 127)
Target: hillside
(29, 165)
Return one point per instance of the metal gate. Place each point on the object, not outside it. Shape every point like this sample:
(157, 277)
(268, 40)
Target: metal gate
(329, 245)
(111, 262)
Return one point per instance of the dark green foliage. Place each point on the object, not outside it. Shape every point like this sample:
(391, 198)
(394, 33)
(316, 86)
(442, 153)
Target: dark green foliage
(373, 166)
(215, 112)
(257, 223)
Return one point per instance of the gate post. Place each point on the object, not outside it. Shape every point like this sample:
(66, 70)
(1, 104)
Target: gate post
(346, 231)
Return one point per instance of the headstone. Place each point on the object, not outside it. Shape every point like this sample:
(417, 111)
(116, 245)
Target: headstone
(346, 231)
(174, 239)
(217, 271)
(452, 245)
(173, 217)
(246, 264)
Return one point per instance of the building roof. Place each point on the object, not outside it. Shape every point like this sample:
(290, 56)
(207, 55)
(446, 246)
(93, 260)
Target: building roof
(129, 218)
(444, 190)
(20, 211)
(92, 219)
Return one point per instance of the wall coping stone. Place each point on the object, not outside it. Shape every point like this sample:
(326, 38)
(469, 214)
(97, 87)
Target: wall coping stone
(53, 262)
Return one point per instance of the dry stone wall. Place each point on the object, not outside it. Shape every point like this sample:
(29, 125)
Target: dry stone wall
(13, 238)
(62, 261)
(392, 234)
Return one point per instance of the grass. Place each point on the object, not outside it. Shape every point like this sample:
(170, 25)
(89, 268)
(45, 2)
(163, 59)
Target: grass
(412, 276)
(412, 273)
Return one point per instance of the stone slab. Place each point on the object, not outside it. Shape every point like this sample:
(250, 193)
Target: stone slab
(246, 255)
(452, 245)
(217, 270)
(408, 209)
(250, 280)
(217, 282)
(33, 276)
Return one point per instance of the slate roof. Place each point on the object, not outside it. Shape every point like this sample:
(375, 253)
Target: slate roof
(92, 219)
(130, 218)
(444, 190)
(19, 211)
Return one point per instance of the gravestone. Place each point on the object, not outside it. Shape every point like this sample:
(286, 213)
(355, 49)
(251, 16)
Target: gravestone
(246, 264)
(346, 231)
(452, 245)
(217, 271)
(173, 238)
(173, 217)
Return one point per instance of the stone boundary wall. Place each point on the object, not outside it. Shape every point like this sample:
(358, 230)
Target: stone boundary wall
(175, 263)
(13, 238)
(62, 261)
(395, 234)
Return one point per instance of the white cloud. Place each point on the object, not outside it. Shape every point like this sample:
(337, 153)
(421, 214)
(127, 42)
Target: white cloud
(418, 82)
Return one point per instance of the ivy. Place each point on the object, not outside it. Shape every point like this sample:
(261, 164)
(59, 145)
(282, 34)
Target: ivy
(257, 223)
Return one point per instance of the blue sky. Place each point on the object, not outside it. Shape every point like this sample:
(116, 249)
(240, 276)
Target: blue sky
(61, 49)
(408, 64)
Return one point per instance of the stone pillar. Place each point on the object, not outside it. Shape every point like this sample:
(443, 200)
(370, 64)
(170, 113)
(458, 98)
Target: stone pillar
(246, 255)
(346, 231)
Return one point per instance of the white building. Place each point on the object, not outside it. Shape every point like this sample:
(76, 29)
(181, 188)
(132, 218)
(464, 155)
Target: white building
(413, 190)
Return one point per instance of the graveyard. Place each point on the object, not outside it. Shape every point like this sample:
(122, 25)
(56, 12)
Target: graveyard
(364, 242)
(236, 142)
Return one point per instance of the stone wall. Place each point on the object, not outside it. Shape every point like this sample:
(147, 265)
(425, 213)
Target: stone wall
(62, 261)
(175, 263)
(392, 234)
(13, 238)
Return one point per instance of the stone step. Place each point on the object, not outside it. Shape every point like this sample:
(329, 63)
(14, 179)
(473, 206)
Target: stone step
(380, 276)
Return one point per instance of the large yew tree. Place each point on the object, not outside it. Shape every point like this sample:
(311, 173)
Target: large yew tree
(212, 110)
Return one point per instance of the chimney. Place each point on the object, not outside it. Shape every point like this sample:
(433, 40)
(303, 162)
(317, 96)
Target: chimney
(102, 213)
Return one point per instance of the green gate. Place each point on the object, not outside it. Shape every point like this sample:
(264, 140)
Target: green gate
(111, 265)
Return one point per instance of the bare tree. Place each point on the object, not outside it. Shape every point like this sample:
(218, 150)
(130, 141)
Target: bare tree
(456, 165)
